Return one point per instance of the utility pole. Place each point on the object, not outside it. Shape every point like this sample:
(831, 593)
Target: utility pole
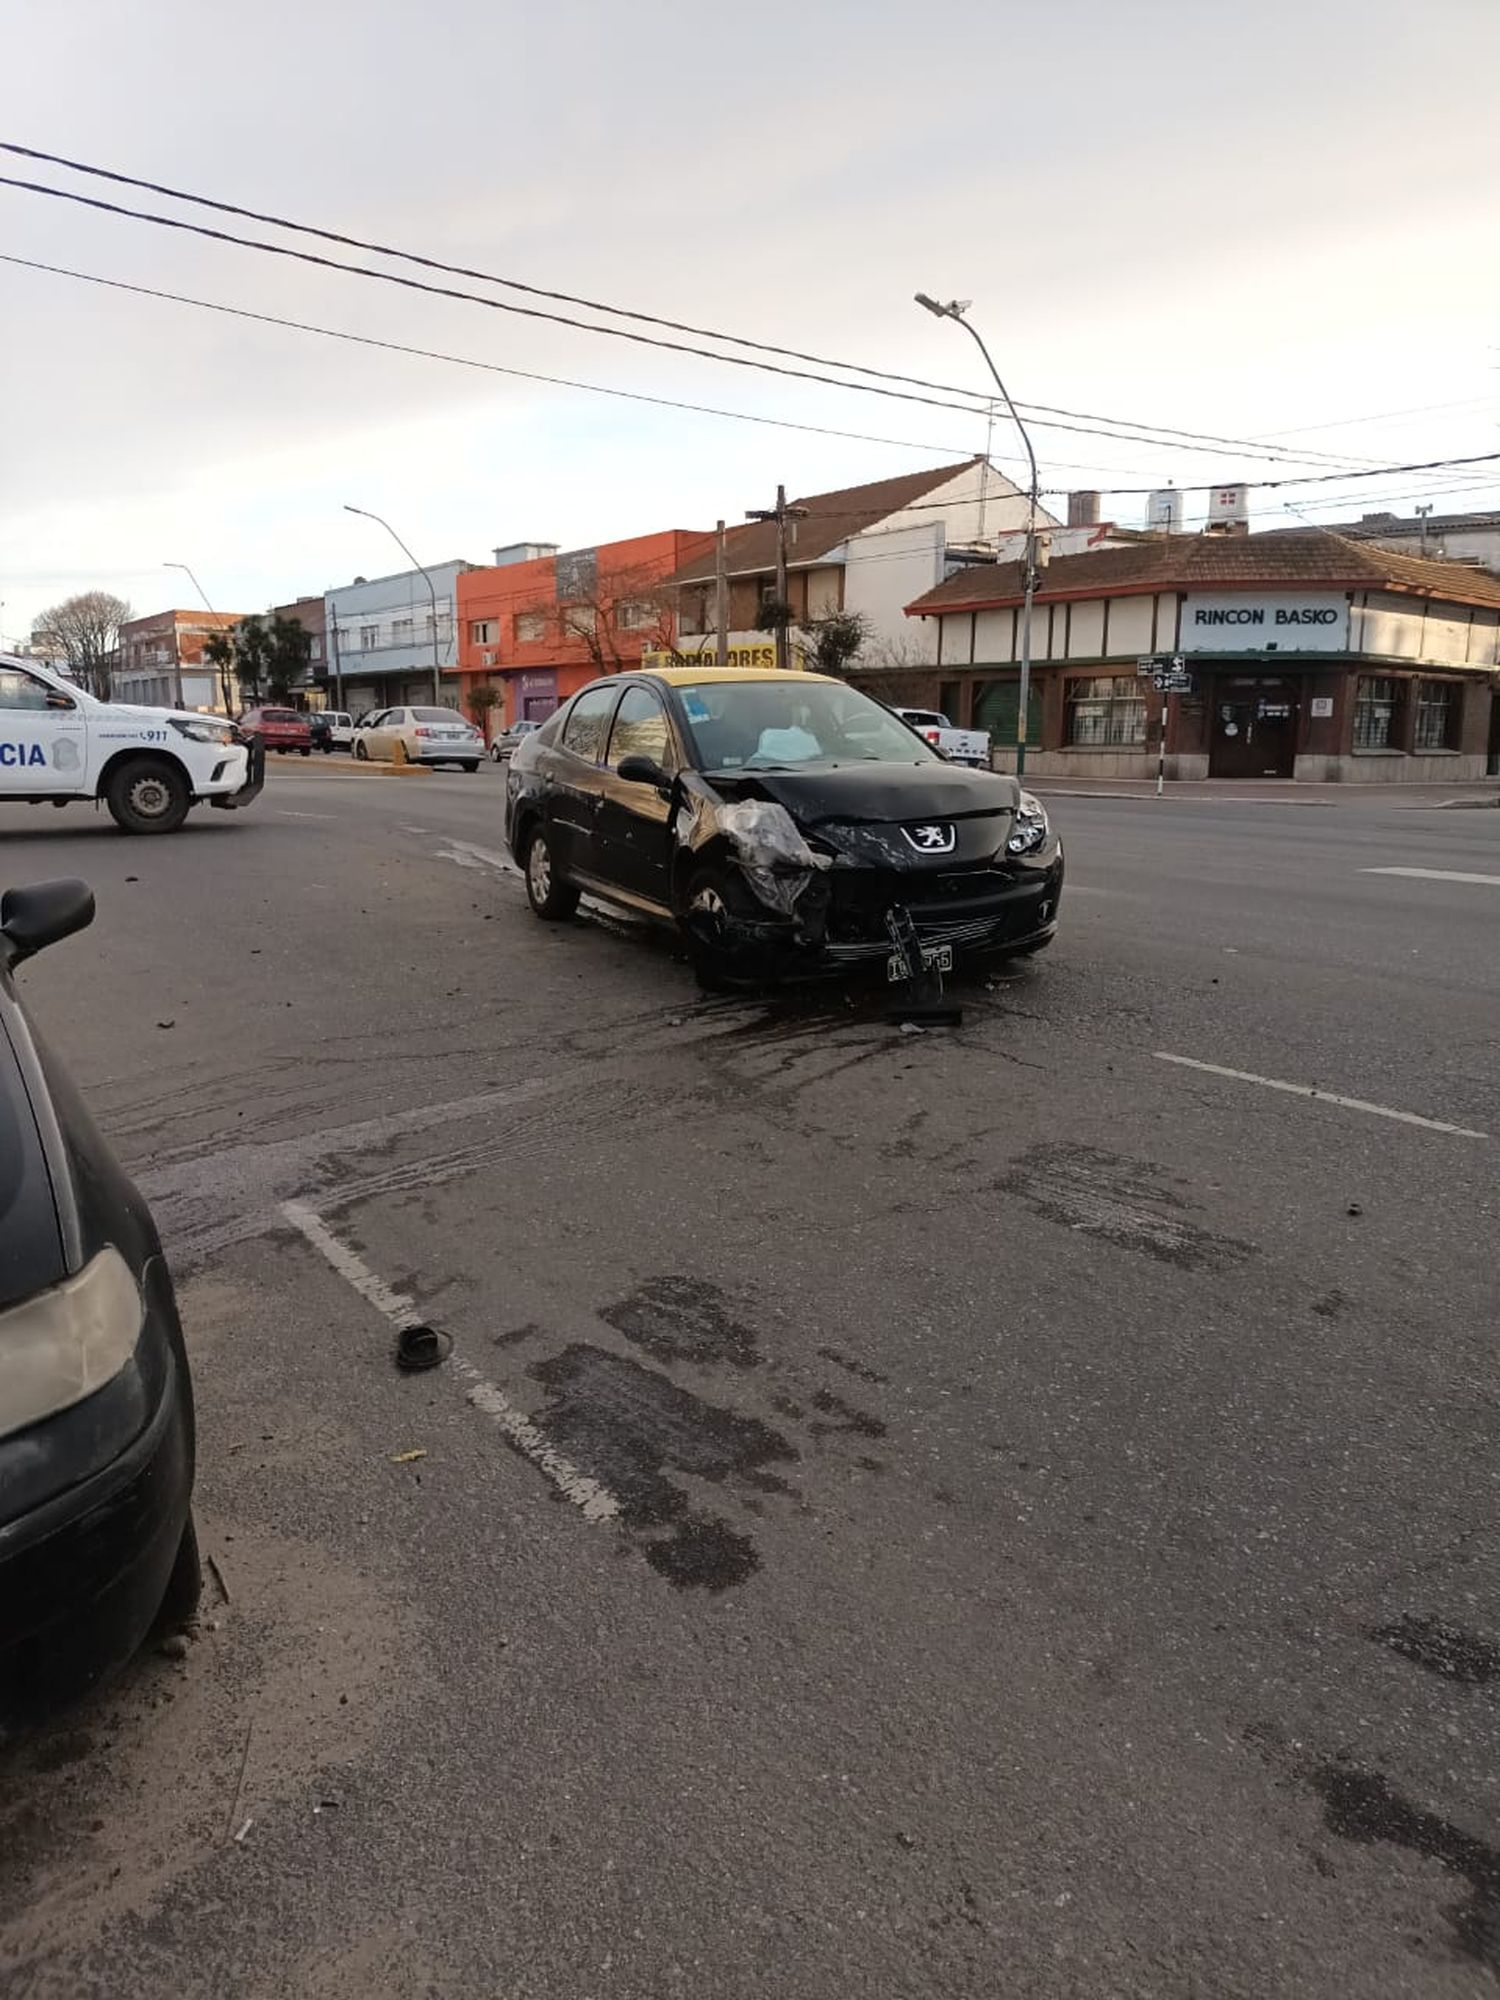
(334, 661)
(721, 598)
(177, 643)
(955, 309)
(1422, 513)
(781, 513)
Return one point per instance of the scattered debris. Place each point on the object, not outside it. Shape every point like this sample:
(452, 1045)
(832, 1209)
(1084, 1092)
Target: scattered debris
(1354, 1209)
(407, 1457)
(218, 1577)
(239, 1838)
(174, 1646)
(166, 1024)
(330, 1804)
(421, 1346)
(132, 878)
(911, 1028)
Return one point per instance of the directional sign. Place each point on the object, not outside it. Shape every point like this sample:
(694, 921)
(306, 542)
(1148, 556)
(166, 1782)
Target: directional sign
(1145, 665)
(1174, 680)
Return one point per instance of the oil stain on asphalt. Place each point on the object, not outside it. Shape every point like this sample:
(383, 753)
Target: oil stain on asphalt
(1361, 1806)
(628, 1426)
(683, 1319)
(1441, 1649)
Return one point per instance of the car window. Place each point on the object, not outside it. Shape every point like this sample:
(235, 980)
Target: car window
(790, 721)
(18, 690)
(641, 729)
(436, 715)
(588, 719)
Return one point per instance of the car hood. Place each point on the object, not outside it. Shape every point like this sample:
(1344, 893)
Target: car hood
(876, 794)
(116, 711)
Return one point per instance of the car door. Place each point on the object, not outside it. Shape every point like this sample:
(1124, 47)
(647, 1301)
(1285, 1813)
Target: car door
(381, 733)
(633, 827)
(43, 743)
(574, 782)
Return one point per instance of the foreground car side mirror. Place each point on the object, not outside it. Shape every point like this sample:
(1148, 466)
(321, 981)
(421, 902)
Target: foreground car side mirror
(637, 769)
(31, 919)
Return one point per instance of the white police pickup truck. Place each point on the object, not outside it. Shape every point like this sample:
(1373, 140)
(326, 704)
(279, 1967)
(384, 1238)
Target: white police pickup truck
(149, 766)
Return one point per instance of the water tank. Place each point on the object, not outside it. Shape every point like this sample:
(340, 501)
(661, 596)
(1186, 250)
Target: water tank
(1164, 512)
(1083, 510)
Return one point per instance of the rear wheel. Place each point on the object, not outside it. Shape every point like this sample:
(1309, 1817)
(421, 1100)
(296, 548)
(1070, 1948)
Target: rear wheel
(549, 895)
(306, 749)
(495, 757)
(361, 752)
(472, 765)
(147, 795)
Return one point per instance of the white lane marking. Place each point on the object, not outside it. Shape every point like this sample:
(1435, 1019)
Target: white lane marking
(594, 1502)
(1322, 1096)
(1437, 875)
(413, 829)
(284, 814)
(467, 855)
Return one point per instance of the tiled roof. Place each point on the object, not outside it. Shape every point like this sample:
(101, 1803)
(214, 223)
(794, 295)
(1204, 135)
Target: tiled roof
(831, 519)
(1297, 558)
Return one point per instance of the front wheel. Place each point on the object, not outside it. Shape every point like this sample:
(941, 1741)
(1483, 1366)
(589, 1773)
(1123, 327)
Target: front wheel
(472, 766)
(184, 1585)
(495, 757)
(306, 749)
(549, 895)
(705, 920)
(147, 795)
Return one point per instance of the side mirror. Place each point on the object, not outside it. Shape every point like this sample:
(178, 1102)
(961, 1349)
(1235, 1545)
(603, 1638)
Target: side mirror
(637, 769)
(31, 919)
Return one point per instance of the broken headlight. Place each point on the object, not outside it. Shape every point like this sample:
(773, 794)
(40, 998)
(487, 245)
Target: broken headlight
(1031, 828)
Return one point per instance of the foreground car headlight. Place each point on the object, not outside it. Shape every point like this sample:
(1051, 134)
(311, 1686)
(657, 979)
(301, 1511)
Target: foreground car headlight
(1031, 828)
(62, 1345)
(205, 730)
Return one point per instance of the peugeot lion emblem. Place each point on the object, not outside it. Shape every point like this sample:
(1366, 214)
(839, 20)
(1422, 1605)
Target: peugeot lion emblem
(934, 839)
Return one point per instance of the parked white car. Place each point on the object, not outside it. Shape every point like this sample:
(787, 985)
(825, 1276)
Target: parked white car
(959, 746)
(340, 727)
(148, 766)
(427, 735)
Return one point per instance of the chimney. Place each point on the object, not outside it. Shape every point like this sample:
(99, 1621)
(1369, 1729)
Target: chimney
(1083, 510)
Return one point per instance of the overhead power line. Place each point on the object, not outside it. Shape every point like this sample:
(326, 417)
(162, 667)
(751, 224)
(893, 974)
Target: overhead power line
(595, 305)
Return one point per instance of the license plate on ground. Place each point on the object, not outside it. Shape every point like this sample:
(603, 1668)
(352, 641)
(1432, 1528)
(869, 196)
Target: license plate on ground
(935, 958)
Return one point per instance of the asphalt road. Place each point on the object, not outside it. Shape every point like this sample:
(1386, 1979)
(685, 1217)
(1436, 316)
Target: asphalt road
(995, 1512)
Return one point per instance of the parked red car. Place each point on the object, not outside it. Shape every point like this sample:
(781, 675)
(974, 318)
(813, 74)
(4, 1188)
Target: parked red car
(279, 728)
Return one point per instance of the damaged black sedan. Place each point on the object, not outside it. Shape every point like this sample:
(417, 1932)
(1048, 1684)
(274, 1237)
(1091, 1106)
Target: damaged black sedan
(785, 822)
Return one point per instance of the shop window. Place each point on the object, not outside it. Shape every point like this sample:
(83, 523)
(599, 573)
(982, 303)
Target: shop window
(1377, 711)
(1106, 712)
(1437, 715)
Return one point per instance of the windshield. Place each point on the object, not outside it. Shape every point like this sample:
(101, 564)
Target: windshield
(436, 715)
(783, 725)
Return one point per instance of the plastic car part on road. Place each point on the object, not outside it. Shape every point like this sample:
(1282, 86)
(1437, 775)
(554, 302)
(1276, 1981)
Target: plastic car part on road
(776, 860)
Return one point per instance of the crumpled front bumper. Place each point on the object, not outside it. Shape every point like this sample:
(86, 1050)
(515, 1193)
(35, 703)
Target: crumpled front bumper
(255, 778)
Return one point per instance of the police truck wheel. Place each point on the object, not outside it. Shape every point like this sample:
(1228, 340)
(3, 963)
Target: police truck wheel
(147, 795)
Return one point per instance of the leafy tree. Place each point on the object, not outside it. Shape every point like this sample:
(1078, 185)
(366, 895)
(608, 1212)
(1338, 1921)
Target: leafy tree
(270, 657)
(84, 631)
(218, 651)
(837, 641)
(483, 697)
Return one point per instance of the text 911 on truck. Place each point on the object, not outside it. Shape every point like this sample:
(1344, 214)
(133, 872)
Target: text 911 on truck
(149, 766)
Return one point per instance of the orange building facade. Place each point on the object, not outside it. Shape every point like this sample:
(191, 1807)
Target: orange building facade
(540, 626)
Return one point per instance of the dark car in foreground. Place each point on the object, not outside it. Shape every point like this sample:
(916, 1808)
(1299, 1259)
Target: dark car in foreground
(785, 822)
(97, 1545)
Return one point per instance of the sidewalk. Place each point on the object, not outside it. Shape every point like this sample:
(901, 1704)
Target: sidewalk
(1272, 791)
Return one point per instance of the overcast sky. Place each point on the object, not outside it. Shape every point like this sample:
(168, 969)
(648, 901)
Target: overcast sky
(1245, 220)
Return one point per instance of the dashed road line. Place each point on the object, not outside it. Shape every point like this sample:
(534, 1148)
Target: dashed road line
(1322, 1096)
(1437, 875)
(467, 855)
(594, 1501)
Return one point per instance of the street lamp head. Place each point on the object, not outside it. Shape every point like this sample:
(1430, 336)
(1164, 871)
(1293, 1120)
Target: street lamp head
(955, 308)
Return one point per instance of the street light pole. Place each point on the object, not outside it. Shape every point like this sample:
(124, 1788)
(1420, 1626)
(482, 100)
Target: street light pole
(955, 309)
(177, 650)
(437, 671)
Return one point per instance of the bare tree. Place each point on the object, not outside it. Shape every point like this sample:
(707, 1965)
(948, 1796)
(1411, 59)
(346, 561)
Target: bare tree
(615, 617)
(85, 632)
(896, 652)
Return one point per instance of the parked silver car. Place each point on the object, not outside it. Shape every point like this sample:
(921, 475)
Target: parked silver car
(427, 735)
(507, 740)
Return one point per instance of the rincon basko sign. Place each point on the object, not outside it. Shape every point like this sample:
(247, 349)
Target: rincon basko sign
(1315, 621)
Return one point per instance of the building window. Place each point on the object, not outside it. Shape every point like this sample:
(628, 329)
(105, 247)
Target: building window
(1107, 712)
(1437, 715)
(579, 619)
(692, 612)
(315, 647)
(633, 617)
(401, 631)
(530, 627)
(1377, 707)
(482, 631)
(369, 638)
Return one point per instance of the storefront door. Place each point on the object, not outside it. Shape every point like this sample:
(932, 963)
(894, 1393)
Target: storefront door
(1254, 729)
